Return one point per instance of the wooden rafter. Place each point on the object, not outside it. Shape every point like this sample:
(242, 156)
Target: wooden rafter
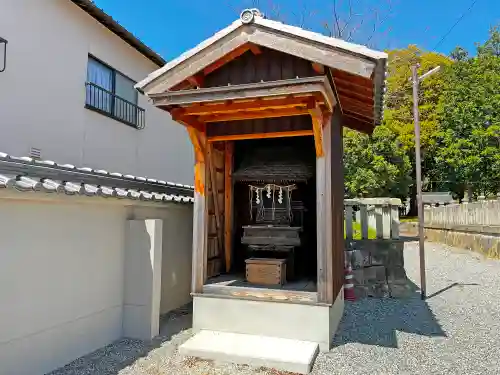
(251, 115)
(228, 57)
(368, 99)
(190, 123)
(356, 124)
(237, 137)
(353, 78)
(345, 84)
(368, 119)
(250, 105)
(196, 80)
(318, 86)
(317, 122)
(318, 68)
(256, 50)
(198, 139)
(357, 107)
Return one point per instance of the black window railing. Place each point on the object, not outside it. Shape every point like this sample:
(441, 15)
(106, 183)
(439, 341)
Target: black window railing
(110, 104)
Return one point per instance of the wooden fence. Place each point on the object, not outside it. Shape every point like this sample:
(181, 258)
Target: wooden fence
(481, 212)
(372, 218)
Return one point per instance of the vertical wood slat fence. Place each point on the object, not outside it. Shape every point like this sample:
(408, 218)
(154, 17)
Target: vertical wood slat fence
(481, 212)
(366, 218)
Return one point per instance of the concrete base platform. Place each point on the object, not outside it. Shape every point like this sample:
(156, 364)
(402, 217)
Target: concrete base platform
(304, 322)
(278, 353)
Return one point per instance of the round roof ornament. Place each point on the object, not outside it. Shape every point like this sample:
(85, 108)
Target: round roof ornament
(247, 16)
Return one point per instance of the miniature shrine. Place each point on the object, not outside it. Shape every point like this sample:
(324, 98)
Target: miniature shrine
(264, 105)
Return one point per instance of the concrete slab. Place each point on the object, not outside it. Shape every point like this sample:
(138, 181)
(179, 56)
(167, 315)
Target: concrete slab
(282, 354)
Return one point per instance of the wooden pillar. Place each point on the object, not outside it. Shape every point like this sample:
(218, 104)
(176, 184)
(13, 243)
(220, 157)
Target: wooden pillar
(199, 265)
(228, 203)
(330, 210)
(336, 227)
(322, 135)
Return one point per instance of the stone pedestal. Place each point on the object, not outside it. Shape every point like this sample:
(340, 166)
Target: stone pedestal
(378, 269)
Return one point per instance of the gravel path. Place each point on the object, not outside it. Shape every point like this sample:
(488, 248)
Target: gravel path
(455, 331)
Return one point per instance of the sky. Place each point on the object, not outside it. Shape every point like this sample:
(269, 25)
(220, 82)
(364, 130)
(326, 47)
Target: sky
(170, 27)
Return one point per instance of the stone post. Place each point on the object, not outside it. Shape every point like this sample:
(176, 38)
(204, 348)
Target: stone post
(142, 278)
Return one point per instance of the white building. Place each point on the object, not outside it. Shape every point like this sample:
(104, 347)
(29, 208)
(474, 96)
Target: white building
(67, 94)
(87, 255)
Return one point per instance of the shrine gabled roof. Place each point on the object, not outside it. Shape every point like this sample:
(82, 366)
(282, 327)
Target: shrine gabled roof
(347, 60)
(339, 44)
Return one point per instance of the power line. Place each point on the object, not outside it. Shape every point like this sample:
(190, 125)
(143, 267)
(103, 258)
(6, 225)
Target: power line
(462, 16)
(448, 32)
(455, 24)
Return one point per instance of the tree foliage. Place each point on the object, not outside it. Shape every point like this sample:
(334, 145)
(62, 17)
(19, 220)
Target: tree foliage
(376, 165)
(388, 156)
(470, 119)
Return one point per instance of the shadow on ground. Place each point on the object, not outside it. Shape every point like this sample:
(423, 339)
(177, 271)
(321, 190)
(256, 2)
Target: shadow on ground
(124, 352)
(375, 321)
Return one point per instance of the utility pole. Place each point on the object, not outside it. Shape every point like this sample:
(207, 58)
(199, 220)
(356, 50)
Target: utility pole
(418, 167)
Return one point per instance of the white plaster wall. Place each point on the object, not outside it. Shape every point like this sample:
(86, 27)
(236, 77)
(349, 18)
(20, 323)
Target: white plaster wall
(61, 283)
(177, 253)
(42, 96)
(63, 275)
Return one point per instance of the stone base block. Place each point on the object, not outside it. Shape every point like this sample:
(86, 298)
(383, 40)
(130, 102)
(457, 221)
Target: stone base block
(280, 354)
(401, 290)
(269, 318)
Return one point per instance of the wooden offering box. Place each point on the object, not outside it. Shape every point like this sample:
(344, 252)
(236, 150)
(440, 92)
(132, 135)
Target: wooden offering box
(266, 271)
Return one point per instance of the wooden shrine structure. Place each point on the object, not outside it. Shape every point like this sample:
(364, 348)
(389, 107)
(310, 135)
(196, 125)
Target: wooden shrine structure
(261, 79)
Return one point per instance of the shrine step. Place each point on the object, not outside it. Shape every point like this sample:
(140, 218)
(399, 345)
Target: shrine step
(272, 352)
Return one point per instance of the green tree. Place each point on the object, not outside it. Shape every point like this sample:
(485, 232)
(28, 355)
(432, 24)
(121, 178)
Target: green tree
(469, 114)
(375, 166)
(384, 163)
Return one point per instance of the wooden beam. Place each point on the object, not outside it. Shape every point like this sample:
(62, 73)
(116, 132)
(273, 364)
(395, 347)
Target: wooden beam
(238, 137)
(358, 125)
(353, 78)
(368, 99)
(197, 80)
(359, 112)
(318, 68)
(198, 141)
(215, 196)
(256, 50)
(227, 58)
(182, 86)
(346, 100)
(315, 52)
(228, 202)
(317, 122)
(356, 106)
(189, 122)
(253, 105)
(318, 85)
(359, 117)
(251, 115)
(345, 84)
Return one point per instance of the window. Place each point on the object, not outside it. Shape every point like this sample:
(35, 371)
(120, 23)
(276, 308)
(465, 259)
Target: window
(111, 93)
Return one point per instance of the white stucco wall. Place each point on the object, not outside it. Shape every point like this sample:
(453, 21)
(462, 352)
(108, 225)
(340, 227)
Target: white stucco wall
(177, 254)
(61, 283)
(62, 276)
(42, 96)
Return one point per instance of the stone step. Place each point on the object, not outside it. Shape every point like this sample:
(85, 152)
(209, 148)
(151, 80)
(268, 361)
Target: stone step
(272, 352)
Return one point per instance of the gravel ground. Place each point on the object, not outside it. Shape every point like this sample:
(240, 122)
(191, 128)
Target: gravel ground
(455, 331)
